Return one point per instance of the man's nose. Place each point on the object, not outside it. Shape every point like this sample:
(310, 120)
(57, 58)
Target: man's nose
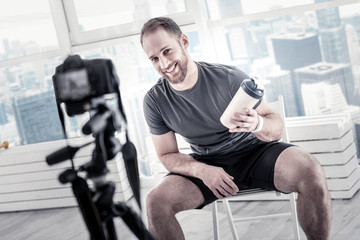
(163, 62)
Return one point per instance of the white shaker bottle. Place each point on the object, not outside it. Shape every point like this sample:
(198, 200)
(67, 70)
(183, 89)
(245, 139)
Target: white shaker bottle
(248, 96)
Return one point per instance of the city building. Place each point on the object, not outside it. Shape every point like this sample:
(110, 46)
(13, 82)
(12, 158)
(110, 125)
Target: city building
(3, 117)
(354, 55)
(331, 31)
(280, 84)
(37, 119)
(292, 51)
(331, 73)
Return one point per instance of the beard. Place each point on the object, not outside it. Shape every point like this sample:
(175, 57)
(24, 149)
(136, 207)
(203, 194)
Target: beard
(182, 76)
(182, 65)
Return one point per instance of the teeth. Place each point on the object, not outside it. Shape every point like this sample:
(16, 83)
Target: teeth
(170, 70)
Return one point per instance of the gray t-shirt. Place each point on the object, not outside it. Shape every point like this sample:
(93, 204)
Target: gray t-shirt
(195, 113)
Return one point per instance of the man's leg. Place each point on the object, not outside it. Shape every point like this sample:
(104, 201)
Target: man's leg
(174, 194)
(298, 171)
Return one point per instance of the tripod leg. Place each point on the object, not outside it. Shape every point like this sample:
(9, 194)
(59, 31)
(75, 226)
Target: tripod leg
(111, 232)
(88, 209)
(133, 221)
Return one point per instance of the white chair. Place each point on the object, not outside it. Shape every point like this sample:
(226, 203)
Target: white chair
(278, 106)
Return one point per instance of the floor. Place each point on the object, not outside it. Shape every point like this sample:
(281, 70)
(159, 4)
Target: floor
(67, 223)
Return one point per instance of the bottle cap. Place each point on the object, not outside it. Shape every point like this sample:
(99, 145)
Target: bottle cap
(253, 88)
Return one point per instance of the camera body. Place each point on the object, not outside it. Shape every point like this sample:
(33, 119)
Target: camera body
(88, 85)
(81, 84)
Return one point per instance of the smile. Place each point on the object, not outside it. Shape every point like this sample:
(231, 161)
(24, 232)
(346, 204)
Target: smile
(172, 69)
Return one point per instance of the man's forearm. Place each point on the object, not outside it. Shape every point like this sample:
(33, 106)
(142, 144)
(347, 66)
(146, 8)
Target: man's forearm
(183, 164)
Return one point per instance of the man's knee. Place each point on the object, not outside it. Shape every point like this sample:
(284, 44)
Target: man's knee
(160, 203)
(155, 202)
(312, 176)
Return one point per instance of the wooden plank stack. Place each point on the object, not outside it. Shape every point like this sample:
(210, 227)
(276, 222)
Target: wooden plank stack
(27, 182)
(330, 139)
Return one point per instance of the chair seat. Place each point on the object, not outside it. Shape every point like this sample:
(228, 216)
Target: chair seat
(246, 191)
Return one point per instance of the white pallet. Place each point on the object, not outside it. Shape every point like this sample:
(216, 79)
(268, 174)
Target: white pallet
(341, 171)
(346, 183)
(335, 158)
(330, 140)
(27, 182)
(318, 127)
(326, 145)
(345, 194)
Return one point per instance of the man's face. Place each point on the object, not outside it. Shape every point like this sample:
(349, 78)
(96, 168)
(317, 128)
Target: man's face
(167, 54)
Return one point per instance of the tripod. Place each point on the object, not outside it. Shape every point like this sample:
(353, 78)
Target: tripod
(97, 206)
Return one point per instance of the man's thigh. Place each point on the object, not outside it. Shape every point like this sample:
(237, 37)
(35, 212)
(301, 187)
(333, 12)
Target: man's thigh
(179, 192)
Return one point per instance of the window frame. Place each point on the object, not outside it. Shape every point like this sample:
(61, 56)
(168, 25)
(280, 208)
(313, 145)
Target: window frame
(107, 33)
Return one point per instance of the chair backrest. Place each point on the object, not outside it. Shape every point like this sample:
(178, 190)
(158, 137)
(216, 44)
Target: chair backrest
(278, 107)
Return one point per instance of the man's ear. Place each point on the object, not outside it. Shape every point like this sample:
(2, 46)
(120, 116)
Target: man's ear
(184, 40)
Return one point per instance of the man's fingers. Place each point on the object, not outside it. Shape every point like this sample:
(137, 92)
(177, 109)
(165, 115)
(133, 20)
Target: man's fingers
(230, 186)
(222, 185)
(233, 188)
(217, 194)
(227, 190)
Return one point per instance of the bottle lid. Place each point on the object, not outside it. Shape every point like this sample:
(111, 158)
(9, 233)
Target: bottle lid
(253, 88)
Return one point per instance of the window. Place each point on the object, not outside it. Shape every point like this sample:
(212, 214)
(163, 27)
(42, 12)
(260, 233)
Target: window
(282, 48)
(90, 21)
(28, 112)
(26, 27)
(219, 9)
(92, 16)
(29, 53)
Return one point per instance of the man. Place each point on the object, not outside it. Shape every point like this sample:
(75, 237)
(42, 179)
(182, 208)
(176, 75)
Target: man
(189, 99)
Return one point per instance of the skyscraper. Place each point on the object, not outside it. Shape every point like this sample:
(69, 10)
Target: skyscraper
(240, 40)
(292, 51)
(332, 35)
(37, 118)
(331, 73)
(354, 57)
(296, 50)
(323, 98)
(3, 118)
(280, 83)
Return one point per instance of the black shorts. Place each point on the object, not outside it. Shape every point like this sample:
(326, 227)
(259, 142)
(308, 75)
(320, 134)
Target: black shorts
(252, 168)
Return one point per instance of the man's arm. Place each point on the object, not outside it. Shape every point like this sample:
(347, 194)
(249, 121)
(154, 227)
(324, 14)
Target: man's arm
(272, 128)
(214, 177)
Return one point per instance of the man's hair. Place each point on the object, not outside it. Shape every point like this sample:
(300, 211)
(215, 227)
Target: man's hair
(166, 23)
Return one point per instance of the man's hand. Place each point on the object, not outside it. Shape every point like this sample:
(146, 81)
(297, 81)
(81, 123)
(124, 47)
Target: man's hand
(245, 122)
(219, 181)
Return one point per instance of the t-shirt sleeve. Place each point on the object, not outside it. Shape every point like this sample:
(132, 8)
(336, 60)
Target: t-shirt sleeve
(153, 116)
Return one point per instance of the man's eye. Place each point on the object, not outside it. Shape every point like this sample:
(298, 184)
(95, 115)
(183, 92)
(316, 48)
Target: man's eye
(166, 51)
(154, 59)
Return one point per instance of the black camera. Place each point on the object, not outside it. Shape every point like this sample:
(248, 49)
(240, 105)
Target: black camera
(83, 84)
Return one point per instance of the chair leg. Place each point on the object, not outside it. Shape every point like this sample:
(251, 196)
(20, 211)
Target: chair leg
(215, 221)
(294, 216)
(230, 219)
